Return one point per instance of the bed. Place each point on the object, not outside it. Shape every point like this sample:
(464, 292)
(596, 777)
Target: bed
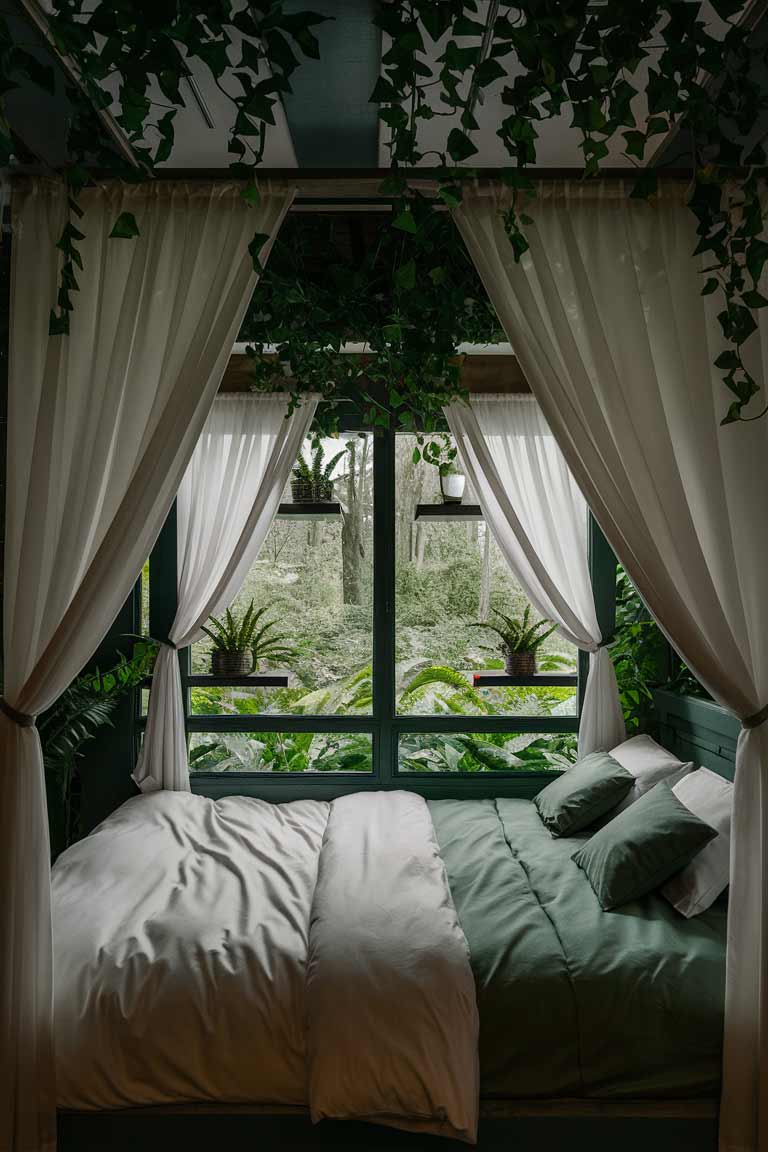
(205, 952)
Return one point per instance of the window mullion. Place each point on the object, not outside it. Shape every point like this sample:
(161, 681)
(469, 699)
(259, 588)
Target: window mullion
(385, 745)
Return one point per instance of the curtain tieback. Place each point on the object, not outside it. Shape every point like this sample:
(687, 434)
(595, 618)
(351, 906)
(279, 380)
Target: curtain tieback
(20, 718)
(169, 644)
(609, 640)
(756, 719)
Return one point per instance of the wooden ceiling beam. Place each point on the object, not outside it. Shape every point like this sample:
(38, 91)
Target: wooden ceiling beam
(498, 374)
(354, 184)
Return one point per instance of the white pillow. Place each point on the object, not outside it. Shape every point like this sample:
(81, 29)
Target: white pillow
(649, 763)
(709, 797)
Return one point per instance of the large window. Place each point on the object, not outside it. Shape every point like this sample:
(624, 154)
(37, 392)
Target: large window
(385, 667)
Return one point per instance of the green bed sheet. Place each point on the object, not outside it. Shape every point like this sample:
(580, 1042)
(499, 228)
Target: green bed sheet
(575, 1001)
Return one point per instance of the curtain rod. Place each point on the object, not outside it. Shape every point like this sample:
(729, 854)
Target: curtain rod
(344, 184)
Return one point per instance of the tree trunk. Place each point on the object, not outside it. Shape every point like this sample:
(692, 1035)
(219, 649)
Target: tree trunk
(484, 606)
(352, 539)
(421, 541)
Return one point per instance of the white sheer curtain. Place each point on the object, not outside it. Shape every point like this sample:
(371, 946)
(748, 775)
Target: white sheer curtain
(606, 317)
(539, 519)
(101, 426)
(226, 504)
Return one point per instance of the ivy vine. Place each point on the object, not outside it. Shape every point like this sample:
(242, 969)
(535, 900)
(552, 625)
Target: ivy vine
(134, 60)
(410, 313)
(604, 63)
(558, 54)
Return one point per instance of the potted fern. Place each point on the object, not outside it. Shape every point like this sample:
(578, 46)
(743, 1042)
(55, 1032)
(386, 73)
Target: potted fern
(521, 640)
(312, 482)
(241, 642)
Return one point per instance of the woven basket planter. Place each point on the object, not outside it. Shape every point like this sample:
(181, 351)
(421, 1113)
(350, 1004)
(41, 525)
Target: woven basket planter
(231, 663)
(520, 663)
(323, 492)
(302, 491)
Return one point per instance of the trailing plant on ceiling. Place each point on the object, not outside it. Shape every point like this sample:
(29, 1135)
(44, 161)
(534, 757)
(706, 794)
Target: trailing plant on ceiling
(590, 58)
(602, 61)
(308, 307)
(134, 60)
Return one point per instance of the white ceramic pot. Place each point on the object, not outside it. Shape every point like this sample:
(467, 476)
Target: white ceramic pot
(452, 487)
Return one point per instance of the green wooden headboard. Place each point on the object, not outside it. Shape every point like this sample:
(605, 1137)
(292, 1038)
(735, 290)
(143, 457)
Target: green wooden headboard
(698, 730)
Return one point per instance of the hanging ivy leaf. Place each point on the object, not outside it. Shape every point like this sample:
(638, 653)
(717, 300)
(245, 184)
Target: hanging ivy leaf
(165, 128)
(405, 222)
(251, 194)
(459, 145)
(58, 325)
(125, 227)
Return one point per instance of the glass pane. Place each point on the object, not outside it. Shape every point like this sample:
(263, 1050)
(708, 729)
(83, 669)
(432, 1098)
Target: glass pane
(280, 752)
(487, 752)
(314, 579)
(450, 577)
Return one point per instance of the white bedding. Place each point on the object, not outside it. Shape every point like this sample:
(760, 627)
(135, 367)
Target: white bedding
(182, 940)
(393, 1025)
(181, 929)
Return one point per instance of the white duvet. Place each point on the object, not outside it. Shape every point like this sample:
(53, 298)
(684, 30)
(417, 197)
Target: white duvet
(302, 954)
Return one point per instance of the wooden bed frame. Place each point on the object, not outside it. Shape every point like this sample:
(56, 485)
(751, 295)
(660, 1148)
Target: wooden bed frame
(694, 730)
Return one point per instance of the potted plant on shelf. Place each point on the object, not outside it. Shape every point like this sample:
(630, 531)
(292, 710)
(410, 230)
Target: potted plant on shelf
(240, 642)
(452, 483)
(312, 482)
(521, 640)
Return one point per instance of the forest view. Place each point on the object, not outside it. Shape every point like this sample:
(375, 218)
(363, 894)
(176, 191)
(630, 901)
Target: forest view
(315, 578)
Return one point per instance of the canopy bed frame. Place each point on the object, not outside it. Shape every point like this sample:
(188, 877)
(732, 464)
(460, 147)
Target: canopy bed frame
(694, 730)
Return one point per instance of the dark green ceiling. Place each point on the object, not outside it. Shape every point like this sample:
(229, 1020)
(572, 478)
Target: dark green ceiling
(331, 121)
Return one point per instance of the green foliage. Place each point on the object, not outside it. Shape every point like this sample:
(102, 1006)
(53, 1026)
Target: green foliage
(351, 752)
(282, 752)
(73, 720)
(518, 634)
(249, 632)
(323, 287)
(643, 659)
(462, 752)
(428, 677)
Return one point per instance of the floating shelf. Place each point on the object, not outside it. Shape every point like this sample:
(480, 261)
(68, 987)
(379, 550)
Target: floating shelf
(325, 511)
(255, 680)
(448, 512)
(495, 678)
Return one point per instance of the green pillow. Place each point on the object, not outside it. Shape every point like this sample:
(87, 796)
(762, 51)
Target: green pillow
(583, 793)
(642, 847)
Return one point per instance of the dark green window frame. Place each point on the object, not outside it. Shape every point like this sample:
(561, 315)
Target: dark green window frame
(384, 724)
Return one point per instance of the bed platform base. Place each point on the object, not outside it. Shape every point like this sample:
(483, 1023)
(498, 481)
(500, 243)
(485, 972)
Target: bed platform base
(505, 1126)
